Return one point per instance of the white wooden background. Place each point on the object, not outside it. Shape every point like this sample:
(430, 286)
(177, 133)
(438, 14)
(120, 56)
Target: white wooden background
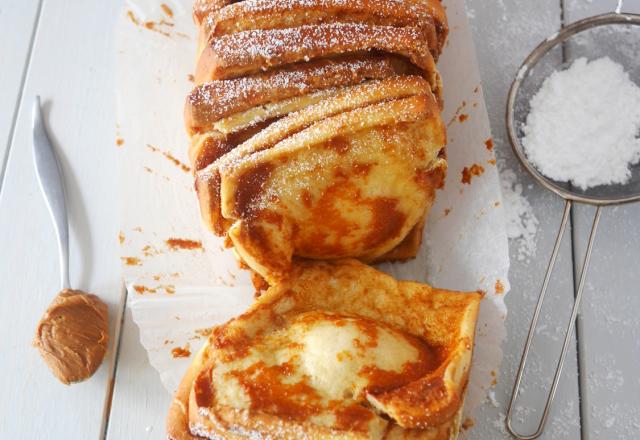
(64, 51)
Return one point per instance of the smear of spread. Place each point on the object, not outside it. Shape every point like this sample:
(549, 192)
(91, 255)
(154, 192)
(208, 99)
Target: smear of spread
(167, 10)
(153, 26)
(200, 334)
(143, 289)
(183, 243)
(131, 261)
(457, 114)
(469, 172)
(181, 352)
(171, 158)
(72, 335)
(133, 18)
(150, 171)
(499, 287)
(121, 237)
(203, 332)
(149, 251)
(489, 144)
(160, 26)
(491, 161)
(468, 424)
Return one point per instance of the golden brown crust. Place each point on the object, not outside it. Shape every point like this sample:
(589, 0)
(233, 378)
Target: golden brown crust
(178, 417)
(215, 100)
(208, 147)
(204, 8)
(247, 52)
(358, 97)
(208, 180)
(444, 320)
(274, 14)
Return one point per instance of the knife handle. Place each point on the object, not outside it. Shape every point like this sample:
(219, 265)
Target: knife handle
(51, 183)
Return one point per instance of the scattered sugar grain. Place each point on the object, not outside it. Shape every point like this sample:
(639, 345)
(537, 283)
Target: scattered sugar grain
(584, 123)
(521, 222)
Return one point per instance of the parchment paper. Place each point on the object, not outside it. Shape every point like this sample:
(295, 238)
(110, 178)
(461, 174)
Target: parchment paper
(175, 291)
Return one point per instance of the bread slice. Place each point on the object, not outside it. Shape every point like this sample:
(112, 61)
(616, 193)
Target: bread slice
(339, 350)
(249, 52)
(278, 14)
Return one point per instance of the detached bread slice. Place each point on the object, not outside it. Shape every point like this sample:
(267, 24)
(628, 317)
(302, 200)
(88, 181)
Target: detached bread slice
(339, 350)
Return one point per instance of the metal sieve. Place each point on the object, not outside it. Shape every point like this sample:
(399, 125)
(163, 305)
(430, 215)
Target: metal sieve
(617, 36)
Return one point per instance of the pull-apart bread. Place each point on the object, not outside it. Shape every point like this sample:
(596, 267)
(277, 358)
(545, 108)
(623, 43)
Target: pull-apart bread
(316, 128)
(338, 351)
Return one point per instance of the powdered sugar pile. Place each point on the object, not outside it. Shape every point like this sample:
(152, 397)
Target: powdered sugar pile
(584, 124)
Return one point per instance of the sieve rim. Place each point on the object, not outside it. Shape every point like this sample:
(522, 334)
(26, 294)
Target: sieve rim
(525, 68)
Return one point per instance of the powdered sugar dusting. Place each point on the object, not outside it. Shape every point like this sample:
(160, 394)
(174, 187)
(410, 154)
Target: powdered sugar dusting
(584, 124)
(249, 50)
(217, 99)
(522, 224)
(267, 14)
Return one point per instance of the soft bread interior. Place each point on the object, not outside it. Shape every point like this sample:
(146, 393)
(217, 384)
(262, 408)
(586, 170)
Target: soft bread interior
(357, 147)
(319, 195)
(319, 355)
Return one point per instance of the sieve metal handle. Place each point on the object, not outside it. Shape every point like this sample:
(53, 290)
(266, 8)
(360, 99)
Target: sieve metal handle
(534, 322)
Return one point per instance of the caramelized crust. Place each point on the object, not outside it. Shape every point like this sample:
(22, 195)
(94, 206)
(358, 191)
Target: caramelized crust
(215, 100)
(278, 14)
(204, 8)
(178, 418)
(348, 99)
(354, 138)
(247, 52)
(208, 147)
(317, 356)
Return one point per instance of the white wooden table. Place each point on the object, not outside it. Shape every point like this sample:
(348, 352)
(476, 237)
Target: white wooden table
(63, 50)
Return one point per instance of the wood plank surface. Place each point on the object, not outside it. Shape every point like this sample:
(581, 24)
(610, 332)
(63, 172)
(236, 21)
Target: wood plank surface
(609, 323)
(71, 68)
(140, 402)
(18, 21)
